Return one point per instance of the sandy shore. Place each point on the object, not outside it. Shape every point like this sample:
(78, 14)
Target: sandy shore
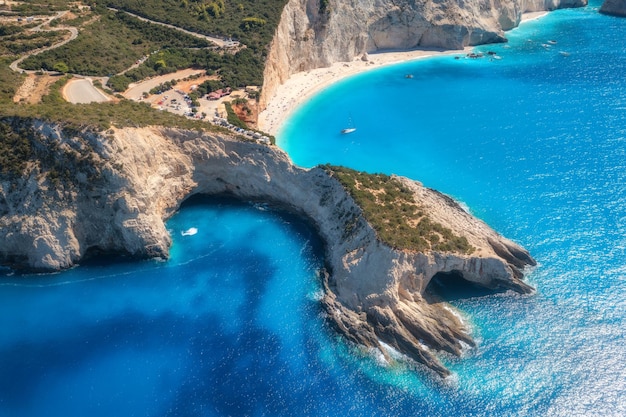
(302, 86)
(532, 16)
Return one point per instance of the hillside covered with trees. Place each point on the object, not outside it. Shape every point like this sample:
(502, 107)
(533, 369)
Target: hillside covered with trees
(111, 40)
(252, 22)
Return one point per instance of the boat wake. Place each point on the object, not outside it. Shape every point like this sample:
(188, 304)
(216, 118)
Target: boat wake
(189, 232)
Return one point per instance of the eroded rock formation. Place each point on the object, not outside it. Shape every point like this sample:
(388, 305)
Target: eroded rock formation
(121, 186)
(316, 33)
(614, 8)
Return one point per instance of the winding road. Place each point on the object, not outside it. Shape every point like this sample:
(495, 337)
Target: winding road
(74, 33)
(82, 90)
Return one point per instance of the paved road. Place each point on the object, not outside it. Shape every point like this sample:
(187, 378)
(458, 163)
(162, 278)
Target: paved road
(15, 64)
(81, 91)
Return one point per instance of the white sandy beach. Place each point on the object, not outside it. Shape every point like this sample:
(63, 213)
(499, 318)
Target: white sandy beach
(303, 85)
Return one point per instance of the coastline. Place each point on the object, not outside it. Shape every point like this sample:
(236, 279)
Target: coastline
(301, 86)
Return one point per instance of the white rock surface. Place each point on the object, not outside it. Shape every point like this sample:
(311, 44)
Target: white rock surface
(307, 38)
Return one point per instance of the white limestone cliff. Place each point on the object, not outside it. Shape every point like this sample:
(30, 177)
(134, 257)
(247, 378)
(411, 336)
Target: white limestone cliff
(137, 178)
(317, 33)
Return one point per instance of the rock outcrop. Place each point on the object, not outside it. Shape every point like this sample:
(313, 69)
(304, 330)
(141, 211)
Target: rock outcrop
(121, 186)
(614, 8)
(317, 33)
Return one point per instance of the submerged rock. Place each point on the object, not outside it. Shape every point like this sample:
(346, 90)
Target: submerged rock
(119, 188)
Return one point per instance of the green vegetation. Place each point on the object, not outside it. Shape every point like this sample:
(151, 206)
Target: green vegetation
(39, 9)
(214, 17)
(232, 117)
(9, 81)
(324, 7)
(22, 149)
(238, 70)
(99, 115)
(392, 211)
(252, 22)
(13, 40)
(112, 43)
(15, 151)
(207, 87)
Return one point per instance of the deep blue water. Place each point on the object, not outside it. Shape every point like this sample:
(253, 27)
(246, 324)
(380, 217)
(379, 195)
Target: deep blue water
(534, 144)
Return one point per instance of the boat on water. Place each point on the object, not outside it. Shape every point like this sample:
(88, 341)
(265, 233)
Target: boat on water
(350, 127)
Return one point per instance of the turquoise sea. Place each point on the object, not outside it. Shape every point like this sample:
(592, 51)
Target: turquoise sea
(533, 143)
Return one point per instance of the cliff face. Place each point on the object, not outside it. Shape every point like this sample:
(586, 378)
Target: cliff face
(316, 33)
(614, 8)
(373, 293)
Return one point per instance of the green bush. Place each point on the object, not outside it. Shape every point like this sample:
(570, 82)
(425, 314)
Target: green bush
(232, 117)
(397, 218)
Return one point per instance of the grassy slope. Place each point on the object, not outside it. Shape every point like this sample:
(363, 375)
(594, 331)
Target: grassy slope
(392, 211)
(110, 44)
(253, 22)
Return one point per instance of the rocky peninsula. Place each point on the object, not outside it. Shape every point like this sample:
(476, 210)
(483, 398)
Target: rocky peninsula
(81, 191)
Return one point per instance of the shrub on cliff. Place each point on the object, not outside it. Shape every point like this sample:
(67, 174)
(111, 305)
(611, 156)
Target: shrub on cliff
(392, 211)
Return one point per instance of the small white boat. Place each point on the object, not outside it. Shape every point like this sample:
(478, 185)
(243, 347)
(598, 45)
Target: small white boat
(349, 129)
(564, 53)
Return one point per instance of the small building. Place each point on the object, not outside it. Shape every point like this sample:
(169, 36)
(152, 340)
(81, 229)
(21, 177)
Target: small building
(217, 94)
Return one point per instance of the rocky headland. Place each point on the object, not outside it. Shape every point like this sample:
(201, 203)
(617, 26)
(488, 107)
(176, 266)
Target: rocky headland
(614, 8)
(80, 191)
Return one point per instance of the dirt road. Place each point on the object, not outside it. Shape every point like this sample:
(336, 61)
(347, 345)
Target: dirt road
(135, 91)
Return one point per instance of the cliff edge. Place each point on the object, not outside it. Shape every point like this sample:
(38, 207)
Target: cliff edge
(79, 191)
(317, 33)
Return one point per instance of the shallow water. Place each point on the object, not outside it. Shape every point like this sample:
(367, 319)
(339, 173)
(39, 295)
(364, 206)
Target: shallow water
(534, 144)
